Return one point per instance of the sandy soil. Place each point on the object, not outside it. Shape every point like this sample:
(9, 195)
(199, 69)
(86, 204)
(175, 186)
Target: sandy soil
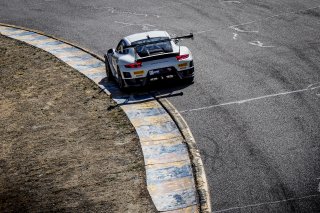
(61, 150)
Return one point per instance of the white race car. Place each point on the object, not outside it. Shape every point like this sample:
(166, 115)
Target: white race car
(149, 56)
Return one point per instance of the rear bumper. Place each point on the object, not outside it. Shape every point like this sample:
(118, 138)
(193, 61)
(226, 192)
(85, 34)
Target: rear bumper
(137, 82)
(187, 73)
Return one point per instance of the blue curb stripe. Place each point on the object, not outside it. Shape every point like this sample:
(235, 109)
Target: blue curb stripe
(145, 113)
(172, 201)
(9, 29)
(84, 57)
(81, 67)
(163, 128)
(157, 176)
(36, 38)
(96, 75)
(61, 50)
(158, 151)
(51, 43)
(22, 34)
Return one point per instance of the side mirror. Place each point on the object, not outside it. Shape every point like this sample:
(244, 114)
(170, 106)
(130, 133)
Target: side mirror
(110, 51)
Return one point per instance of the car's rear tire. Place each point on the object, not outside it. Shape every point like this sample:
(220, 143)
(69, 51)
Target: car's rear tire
(108, 69)
(189, 80)
(120, 80)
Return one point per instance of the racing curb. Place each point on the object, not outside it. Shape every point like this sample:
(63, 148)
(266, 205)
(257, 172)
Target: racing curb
(203, 196)
(197, 165)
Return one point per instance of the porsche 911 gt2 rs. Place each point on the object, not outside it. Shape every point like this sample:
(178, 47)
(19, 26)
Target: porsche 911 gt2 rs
(149, 56)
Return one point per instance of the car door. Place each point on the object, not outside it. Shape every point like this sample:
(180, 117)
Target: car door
(115, 56)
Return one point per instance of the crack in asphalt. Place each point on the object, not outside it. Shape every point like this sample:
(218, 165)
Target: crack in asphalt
(144, 26)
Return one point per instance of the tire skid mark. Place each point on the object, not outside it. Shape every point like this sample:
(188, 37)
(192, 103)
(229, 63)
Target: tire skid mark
(145, 27)
(274, 16)
(235, 36)
(114, 10)
(243, 31)
(259, 44)
(237, 26)
(231, 2)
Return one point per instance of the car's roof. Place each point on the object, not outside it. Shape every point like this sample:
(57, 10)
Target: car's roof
(141, 36)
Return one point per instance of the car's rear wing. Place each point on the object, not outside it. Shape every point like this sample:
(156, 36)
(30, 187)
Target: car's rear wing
(183, 37)
(161, 40)
(157, 56)
(163, 55)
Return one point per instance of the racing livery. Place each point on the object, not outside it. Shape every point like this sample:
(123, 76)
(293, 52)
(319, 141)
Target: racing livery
(149, 56)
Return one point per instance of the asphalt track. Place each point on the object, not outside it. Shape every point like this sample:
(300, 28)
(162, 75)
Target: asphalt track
(254, 108)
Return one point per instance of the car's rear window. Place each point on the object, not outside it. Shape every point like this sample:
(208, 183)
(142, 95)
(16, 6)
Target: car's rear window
(161, 45)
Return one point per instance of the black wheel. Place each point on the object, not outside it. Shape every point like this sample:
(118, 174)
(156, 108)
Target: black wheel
(188, 80)
(120, 80)
(108, 69)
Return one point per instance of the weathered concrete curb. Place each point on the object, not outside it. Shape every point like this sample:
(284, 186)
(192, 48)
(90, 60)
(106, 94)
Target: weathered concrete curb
(197, 165)
(170, 180)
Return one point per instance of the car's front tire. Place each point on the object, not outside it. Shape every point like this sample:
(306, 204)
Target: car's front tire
(108, 69)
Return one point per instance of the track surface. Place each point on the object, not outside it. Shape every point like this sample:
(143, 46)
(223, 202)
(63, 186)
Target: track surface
(254, 108)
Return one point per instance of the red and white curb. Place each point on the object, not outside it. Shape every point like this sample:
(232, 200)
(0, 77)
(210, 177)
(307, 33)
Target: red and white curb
(170, 178)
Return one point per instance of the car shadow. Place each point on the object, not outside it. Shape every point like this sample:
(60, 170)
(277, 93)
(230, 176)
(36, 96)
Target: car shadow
(157, 89)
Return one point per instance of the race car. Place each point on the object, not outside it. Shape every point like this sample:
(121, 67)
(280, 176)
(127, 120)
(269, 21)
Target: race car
(144, 57)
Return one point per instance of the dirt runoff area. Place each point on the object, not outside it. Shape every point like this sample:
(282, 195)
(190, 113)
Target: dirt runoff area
(61, 150)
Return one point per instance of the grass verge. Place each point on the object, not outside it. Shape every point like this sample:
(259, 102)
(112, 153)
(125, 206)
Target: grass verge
(60, 149)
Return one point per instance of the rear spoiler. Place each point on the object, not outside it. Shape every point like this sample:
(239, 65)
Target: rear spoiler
(158, 56)
(176, 39)
(162, 40)
(182, 37)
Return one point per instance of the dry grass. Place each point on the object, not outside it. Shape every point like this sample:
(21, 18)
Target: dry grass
(60, 149)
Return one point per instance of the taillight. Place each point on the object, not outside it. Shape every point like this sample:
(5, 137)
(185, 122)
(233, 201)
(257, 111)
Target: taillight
(181, 57)
(134, 65)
